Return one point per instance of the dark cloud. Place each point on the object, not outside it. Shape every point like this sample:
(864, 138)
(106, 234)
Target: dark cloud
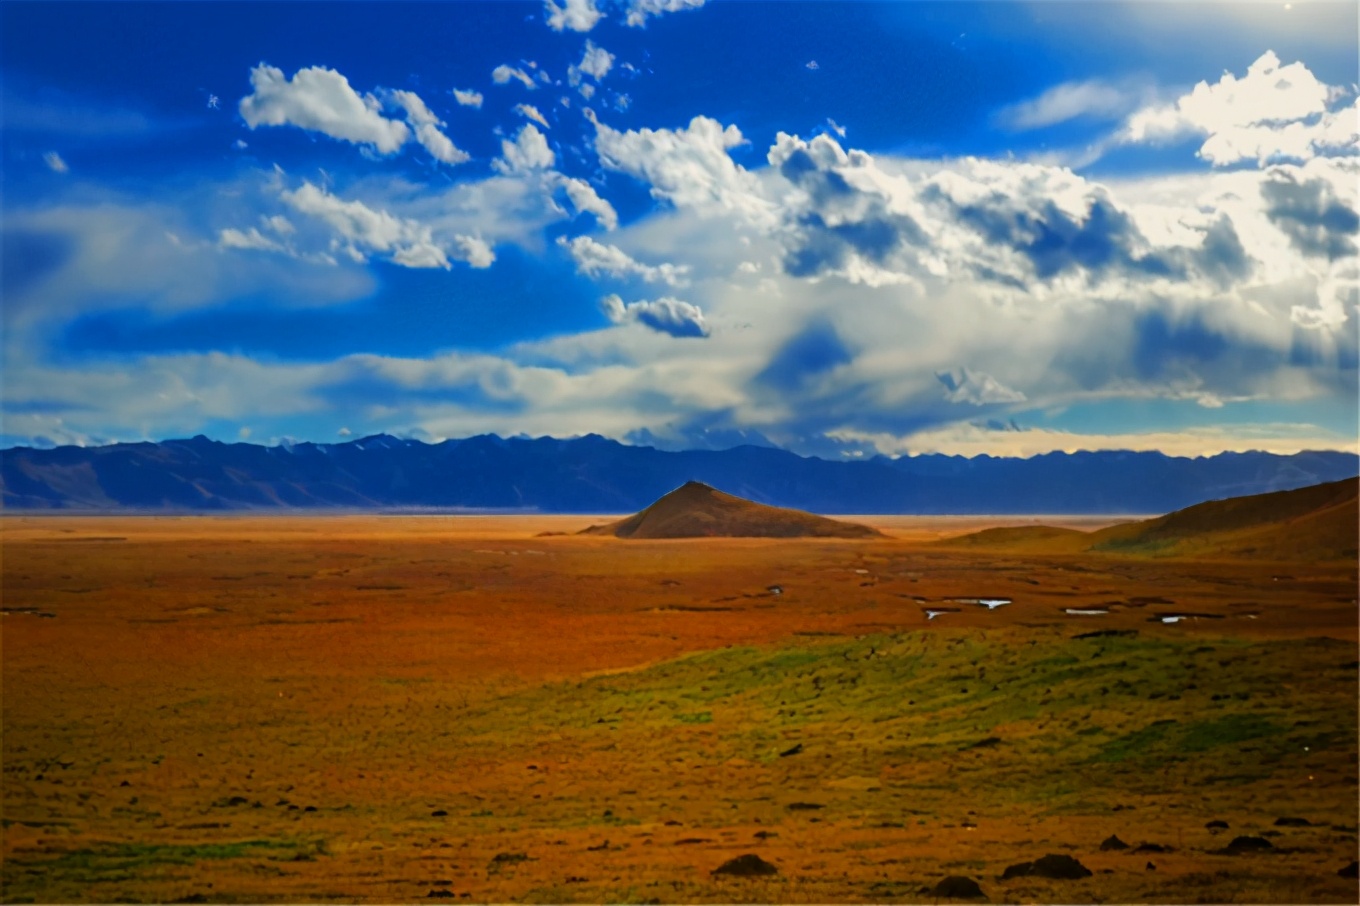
(843, 220)
(27, 256)
(817, 349)
(1316, 221)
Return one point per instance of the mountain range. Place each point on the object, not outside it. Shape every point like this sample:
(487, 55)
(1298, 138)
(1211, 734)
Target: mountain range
(592, 474)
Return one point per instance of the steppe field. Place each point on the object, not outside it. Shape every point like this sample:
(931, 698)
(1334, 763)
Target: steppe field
(362, 708)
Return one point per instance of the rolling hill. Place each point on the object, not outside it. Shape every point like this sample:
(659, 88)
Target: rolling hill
(1319, 522)
(696, 510)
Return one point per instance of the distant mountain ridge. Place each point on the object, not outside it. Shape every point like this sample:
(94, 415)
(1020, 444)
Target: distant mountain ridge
(592, 474)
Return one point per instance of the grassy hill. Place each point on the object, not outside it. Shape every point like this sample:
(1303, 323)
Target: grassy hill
(1320, 522)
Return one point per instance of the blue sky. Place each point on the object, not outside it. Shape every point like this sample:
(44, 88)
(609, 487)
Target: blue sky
(840, 228)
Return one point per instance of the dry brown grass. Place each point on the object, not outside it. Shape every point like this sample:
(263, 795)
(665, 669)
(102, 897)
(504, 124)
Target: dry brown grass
(380, 670)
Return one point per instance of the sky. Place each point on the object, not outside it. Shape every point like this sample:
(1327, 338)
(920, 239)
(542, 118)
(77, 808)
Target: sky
(841, 228)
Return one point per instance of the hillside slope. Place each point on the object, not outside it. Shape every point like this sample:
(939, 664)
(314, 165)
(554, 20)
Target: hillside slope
(696, 510)
(1320, 522)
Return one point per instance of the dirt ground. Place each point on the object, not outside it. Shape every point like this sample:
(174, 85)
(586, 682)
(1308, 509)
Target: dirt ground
(394, 709)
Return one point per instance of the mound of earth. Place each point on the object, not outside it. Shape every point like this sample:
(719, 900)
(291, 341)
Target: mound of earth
(747, 866)
(696, 510)
(1314, 523)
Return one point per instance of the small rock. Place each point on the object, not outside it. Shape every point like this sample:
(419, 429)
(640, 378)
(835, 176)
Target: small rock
(439, 813)
(804, 806)
(1293, 822)
(1112, 842)
(1350, 871)
(747, 866)
(794, 751)
(1150, 867)
(765, 835)
(957, 887)
(1216, 826)
(1246, 844)
(1151, 848)
(1059, 866)
(440, 894)
(1019, 870)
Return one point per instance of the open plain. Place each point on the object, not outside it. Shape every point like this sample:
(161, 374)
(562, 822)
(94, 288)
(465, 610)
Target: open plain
(360, 708)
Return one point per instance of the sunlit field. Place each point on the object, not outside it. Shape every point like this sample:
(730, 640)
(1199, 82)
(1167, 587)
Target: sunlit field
(396, 708)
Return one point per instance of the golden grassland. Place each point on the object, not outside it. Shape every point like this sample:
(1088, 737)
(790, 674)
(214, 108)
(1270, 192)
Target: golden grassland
(383, 708)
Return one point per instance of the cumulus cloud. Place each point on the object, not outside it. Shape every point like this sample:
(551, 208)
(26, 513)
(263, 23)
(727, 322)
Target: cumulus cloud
(55, 163)
(1091, 99)
(688, 167)
(527, 151)
(528, 111)
(1274, 112)
(502, 75)
(976, 387)
(665, 315)
(468, 98)
(640, 10)
(361, 230)
(596, 258)
(320, 100)
(573, 15)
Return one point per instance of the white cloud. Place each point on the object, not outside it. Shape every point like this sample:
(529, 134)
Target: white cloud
(639, 10)
(344, 432)
(595, 62)
(968, 439)
(502, 75)
(361, 230)
(231, 238)
(665, 315)
(1090, 99)
(320, 100)
(426, 126)
(467, 98)
(1274, 112)
(55, 163)
(528, 111)
(596, 258)
(688, 167)
(575, 15)
(584, 198)
(527, 151)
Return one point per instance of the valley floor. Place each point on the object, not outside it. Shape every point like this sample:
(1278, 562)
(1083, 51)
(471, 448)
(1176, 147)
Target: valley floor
(360, 709)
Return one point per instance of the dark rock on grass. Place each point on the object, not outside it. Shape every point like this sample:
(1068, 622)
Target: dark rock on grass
(1152, 848)
(1150, 867)
(440, 894)
(439, 813)
(1350, 871)
(1106, 633)
(1112, 842)
(1061, 867)
(509, 858)
(804, 806)
(765, 835)
(990, 742)
(747, 866)
(1248, 844)
(1215, 826)
(957, 887)
(1293, 822)
(794, 751)
(688, 841)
